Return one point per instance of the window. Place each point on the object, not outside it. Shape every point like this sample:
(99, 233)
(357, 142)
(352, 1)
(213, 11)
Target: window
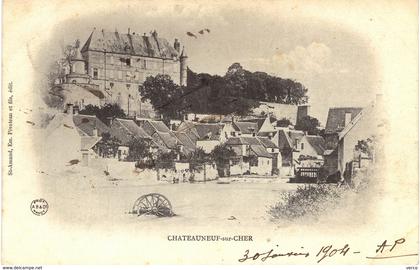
(296, 143)
(128, 62)
(111, 84)
(143, 64)
(95, 73)
(233, 133)
(272, 150)
(301, 146)
(253, 161)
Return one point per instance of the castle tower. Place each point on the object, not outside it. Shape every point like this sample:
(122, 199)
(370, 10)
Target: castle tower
(78, 71)
(183, 63)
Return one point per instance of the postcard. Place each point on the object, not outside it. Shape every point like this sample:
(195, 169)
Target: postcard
(210, 132)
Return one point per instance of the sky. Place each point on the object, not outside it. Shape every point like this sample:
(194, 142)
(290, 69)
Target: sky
(336, 65)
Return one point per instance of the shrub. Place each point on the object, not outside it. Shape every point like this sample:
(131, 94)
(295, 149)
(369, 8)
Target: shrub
(307, 199)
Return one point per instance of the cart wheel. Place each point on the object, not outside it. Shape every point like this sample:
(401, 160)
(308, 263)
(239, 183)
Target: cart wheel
(153, 204)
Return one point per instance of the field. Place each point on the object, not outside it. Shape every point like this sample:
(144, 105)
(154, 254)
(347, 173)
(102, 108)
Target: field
(80, 198)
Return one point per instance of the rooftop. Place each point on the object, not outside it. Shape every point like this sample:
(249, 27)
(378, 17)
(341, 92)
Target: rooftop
(130, 43)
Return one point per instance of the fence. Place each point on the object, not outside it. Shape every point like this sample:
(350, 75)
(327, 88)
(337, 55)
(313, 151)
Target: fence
(306, 175)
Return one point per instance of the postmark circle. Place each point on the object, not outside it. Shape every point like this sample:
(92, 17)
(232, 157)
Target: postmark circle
(39, 207)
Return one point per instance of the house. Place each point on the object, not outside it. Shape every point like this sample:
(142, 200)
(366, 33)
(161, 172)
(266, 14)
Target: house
(244, 129)
(210, 135)
(251, 157)
(204, 135)
(163, 136)
(282, 111)
(272, 148)
(311, 150)
(67, 142)
(288, 141)
(347, 126)
(90, 125)
(125, 130)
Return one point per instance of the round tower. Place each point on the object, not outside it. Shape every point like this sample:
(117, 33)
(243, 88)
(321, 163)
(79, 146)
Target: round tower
(183, 68)
(78, 71)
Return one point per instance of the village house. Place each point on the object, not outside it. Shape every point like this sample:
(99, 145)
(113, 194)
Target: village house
(251, 157)
(164, 137)
(272, 148)
(282, 111)
(204, 135)
(337, 120)
(125, 130)
(78, 146)
(365, 125)
(311, 150)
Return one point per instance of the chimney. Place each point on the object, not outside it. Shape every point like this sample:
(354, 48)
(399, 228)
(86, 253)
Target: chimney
(76, 110)
(110, 119)
(347, 119)
(303, 110)
(177, 45)
(129, 31)
(95, 132)
(69, 109)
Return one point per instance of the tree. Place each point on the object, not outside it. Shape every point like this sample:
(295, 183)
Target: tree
(284, 122)
(139, 149)
(108, 145)
(221, 154)
(197, 158)
(103, 113)
(165, 160)
(164, 95)
(308, 124)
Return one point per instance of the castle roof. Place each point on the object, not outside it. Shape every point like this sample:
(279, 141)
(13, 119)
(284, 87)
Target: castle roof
(132, 44)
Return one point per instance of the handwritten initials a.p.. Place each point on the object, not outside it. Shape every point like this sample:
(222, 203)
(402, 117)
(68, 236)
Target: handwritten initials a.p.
(384, 245)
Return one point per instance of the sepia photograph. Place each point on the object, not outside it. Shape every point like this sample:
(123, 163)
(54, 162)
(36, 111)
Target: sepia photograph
(192, 132)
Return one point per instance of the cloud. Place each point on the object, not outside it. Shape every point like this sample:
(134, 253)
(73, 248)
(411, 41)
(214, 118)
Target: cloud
(299, 63)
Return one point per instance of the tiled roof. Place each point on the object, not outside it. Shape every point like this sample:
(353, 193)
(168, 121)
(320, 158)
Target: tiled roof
(185, 140)
(86, 123)
(246, 127)
(284, 140)
(125, 130)
(208, 131)
(170, 140)
(89, 142)
(243, 140)
(159, 126)
(336, 118)
(317, 142)
(267, 143)
(132, 44)
(295, 135)
(260, 151)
